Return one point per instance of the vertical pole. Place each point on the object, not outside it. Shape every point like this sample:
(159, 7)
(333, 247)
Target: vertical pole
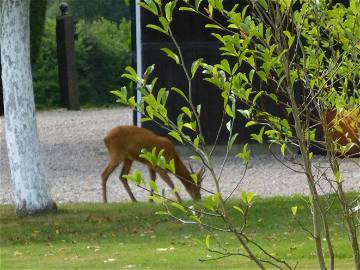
(1, 93)
(139, 63)
(68, 80)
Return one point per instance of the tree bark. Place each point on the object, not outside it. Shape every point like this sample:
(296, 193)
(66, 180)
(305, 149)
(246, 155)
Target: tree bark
(27, 171)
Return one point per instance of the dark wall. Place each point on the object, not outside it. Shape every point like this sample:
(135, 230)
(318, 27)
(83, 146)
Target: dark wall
(195, 42)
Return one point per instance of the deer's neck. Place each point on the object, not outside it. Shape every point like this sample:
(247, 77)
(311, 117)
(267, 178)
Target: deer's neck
(182, 173)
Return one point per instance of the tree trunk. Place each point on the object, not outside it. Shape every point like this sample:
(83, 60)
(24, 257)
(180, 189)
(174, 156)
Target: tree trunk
(27, 171)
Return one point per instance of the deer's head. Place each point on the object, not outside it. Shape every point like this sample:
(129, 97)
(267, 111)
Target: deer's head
(194, 187)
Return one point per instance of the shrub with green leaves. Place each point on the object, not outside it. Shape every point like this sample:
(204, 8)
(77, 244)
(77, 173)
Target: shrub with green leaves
(302, 55)
(45, 72)
(102, 51)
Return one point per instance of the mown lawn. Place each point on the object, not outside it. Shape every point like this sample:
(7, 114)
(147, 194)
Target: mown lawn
(131, 236)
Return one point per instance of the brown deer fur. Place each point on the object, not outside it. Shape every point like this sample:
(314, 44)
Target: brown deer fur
(124, 144)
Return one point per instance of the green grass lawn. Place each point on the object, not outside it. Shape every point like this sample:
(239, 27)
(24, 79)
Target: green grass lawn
(131, 236)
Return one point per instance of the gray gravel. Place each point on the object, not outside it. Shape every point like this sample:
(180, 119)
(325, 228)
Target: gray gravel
(75, 156)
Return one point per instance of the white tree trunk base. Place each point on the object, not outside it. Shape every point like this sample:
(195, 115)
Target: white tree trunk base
(27, 170)
(21, 209)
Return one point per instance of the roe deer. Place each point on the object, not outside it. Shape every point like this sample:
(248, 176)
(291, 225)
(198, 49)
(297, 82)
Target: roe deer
(124, 144)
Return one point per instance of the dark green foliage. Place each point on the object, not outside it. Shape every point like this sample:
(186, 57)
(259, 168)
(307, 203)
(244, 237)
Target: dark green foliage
(37, 20)
(103, 51)
(45, 72)
(113, 10)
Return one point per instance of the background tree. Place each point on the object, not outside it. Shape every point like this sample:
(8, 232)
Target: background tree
(102, 50)
(27, 170)
(306, 61)
(37, 21)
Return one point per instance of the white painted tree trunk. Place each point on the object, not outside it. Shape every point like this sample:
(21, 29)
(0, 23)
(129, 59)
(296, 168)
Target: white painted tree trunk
(27, 171)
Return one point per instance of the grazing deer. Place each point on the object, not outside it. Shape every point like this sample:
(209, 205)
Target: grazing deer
(124, 144)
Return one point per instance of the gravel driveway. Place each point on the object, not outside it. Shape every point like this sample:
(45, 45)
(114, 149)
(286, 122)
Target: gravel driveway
(75, 156)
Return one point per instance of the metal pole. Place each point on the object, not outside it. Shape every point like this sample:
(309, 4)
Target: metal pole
(139, 63)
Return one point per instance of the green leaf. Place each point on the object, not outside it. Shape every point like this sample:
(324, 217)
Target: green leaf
(273, 97)
(207, 241)
(176, 135)
(211, 25)
(178, 206)
(244, 155)
(294, 210)
(250, 123)
(251, 75)
(132, 102)
(157, 28)
(258, 137)
(148, 71)
(243, 197)
(180, 92)
(264, 4)
(169, 8)
(251, 61)
(153, 186)
(194, 177)
(262, 75)
(161, 213)
(187, 111)
(249, 197)
(196, 142)
(172, 55)
(224, 65)
(180, 121)
(171, 166)
(196, 219)
(290, 38)
(195, 65)
(190, 126)
(150, 7)
(238, 209)
(232, 140)
(187, 9)
(196, 158)
(229, 112)
(338, 177)
(197, 4)
(156, 199)
(283, 146)
(165, 24)
(257, 96)
(209, 203)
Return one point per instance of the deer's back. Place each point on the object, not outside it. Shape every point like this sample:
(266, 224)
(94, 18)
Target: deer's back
(128, 141)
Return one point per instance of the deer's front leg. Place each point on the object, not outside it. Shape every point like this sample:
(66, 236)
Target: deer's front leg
(125, 170)
(105, 175)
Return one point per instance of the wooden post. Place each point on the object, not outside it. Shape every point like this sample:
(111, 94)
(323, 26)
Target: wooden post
(68, 80)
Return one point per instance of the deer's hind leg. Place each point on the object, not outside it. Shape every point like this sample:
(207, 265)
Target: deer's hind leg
(125, 170)
(105, 175)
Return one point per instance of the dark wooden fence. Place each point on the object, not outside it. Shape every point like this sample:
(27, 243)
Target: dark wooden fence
(195, 42)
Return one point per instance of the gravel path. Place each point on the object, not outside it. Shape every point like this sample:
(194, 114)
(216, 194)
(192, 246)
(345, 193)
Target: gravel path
(75, 156)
